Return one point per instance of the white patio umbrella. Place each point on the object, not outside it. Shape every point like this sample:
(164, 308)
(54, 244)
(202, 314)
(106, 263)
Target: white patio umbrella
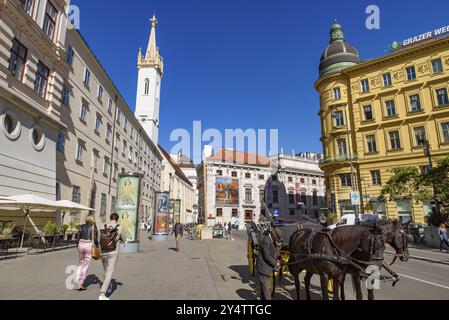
(27, 203)
(67, 205)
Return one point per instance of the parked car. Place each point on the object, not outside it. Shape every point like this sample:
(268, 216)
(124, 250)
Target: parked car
(349, 219)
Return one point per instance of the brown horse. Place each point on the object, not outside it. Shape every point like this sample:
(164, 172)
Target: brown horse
(395, 237)
(318, 253)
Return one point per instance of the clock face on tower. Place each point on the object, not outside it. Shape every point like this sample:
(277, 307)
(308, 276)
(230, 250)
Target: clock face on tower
(337, 34)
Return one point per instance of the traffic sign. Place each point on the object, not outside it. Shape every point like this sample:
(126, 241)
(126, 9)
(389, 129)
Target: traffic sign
(355, 198)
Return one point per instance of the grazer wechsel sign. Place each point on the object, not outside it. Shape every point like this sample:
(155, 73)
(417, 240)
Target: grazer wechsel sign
(128, 204)
(418, 38)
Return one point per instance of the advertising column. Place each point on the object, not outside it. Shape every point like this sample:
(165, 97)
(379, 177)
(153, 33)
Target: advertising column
(128, 204)
(161, 217)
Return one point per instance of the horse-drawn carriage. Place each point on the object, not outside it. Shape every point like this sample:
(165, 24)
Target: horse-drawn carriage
(307, 246)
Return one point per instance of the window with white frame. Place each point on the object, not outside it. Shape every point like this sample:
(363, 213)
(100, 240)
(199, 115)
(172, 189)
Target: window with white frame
(337, 93)
(80, 148)
(415, 103)
(86, 77)
(27, 5)
(97, 123)
(445, 128)
(118, 116)
(100, 92)
(102, 205)
(110, 105)
(339, 118)
(41, 80)
(442, 97)
(395, 141)
(390, 107)
(70, 55)
(420, 136)
(411, 73)
(106, 165)
(65, 96)
(49, 25)
(108, 133)
(76, 194)
(60, 145)
(371, 143)
(364, 85)
(386, 77)
(437, 66)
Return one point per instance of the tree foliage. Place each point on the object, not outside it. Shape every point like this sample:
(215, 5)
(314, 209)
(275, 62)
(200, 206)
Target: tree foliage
(410, 182)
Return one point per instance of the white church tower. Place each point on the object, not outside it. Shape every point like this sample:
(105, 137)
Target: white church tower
(150, 70)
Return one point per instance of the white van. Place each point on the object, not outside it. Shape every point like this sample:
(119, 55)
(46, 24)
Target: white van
(349, 219)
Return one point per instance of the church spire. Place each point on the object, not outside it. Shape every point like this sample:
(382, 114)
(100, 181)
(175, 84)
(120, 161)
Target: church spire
(152, 57)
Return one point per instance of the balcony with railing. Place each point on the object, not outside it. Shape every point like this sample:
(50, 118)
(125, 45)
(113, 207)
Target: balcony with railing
(339, 158)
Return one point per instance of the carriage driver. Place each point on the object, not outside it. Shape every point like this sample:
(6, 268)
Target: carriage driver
(266, 261)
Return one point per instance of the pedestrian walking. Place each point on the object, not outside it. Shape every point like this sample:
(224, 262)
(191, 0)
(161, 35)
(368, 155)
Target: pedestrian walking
(265, 264)
(230, 229)
(87, 237)
(178, 231)
(442, 233)
(110, 237)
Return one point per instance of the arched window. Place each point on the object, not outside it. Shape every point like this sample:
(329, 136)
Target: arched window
(147, 86)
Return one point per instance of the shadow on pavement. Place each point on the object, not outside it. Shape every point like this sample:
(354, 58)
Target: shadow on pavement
(90, 280)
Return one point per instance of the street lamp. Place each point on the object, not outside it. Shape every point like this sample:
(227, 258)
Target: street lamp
(335, 115)
(427, 153)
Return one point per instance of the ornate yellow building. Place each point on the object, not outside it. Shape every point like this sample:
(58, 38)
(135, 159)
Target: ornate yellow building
(379, 112)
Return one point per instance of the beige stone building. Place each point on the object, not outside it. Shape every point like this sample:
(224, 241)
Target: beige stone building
(32, 72)
(179, 187)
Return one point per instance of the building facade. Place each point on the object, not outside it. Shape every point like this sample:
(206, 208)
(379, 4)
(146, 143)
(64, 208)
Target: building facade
(241, 187)
(103, 138)
(379, 112)
(32, 72)
(179, 188)
(188, 168)
(66, 131)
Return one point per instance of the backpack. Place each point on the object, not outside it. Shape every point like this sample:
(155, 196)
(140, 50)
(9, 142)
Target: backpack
(108, 238)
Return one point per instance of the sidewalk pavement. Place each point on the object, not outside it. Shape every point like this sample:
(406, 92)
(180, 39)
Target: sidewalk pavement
(421, 252)
(156, 273)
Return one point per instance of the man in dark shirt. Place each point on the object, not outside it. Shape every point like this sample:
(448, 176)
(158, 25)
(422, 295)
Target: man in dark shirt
(265, 264)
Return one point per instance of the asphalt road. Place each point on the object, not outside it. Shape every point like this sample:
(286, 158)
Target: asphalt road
(419, 280)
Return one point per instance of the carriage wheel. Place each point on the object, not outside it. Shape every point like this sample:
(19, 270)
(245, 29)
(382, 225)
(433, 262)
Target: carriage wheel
(250, 258)
(273, 283)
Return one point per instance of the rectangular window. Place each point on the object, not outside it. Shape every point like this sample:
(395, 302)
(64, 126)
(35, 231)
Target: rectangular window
(371, 143)
(420, 136)
(261, 177)
(275, 196)
(76, 194)
(445, 128)
(65, 96)
(339, 119)
(80, 150)
(290, 179)
(390, 108)
(387, 79)
(341, 143)
(125, 125)
(50, 20)
(368, 111)
(219, 212)
(337, 93)
(437, 66)
(411, 73)
(27, 5)
(442, 97)
(304, 198)
(219, 172)
(40, 83)
(233, 174)
(248, 175)
(395, 142)
(70, 55)
(100, 93)
(314, 182)
(364, 84)
(110, 106)
(115, 171)
(106, 164)
(291, 198)
(103, 204)
(86, 77)
(415, 103)
(125, 147)
(248, 195)
(375, 178)
(97, 123)
(17, 59)
(345, 180)
(235, 213)
(61, 142)
(108, 133)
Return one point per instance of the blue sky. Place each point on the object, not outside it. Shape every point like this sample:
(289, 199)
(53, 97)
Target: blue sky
(243, 63)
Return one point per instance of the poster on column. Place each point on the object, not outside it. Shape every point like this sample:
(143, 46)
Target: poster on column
(162, 204)
(128, 204)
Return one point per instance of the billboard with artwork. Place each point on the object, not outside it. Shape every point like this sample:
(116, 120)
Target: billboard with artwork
(161, 220)
(226, 191)
(128, 204)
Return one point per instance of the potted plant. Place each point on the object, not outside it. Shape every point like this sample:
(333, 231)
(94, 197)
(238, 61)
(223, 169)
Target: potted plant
(64, 229)
(50, 230)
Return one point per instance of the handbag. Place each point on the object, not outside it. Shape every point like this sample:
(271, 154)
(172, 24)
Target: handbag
(95, 251)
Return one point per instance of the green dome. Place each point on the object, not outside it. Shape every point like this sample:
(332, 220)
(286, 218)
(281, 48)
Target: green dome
(339, 54)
